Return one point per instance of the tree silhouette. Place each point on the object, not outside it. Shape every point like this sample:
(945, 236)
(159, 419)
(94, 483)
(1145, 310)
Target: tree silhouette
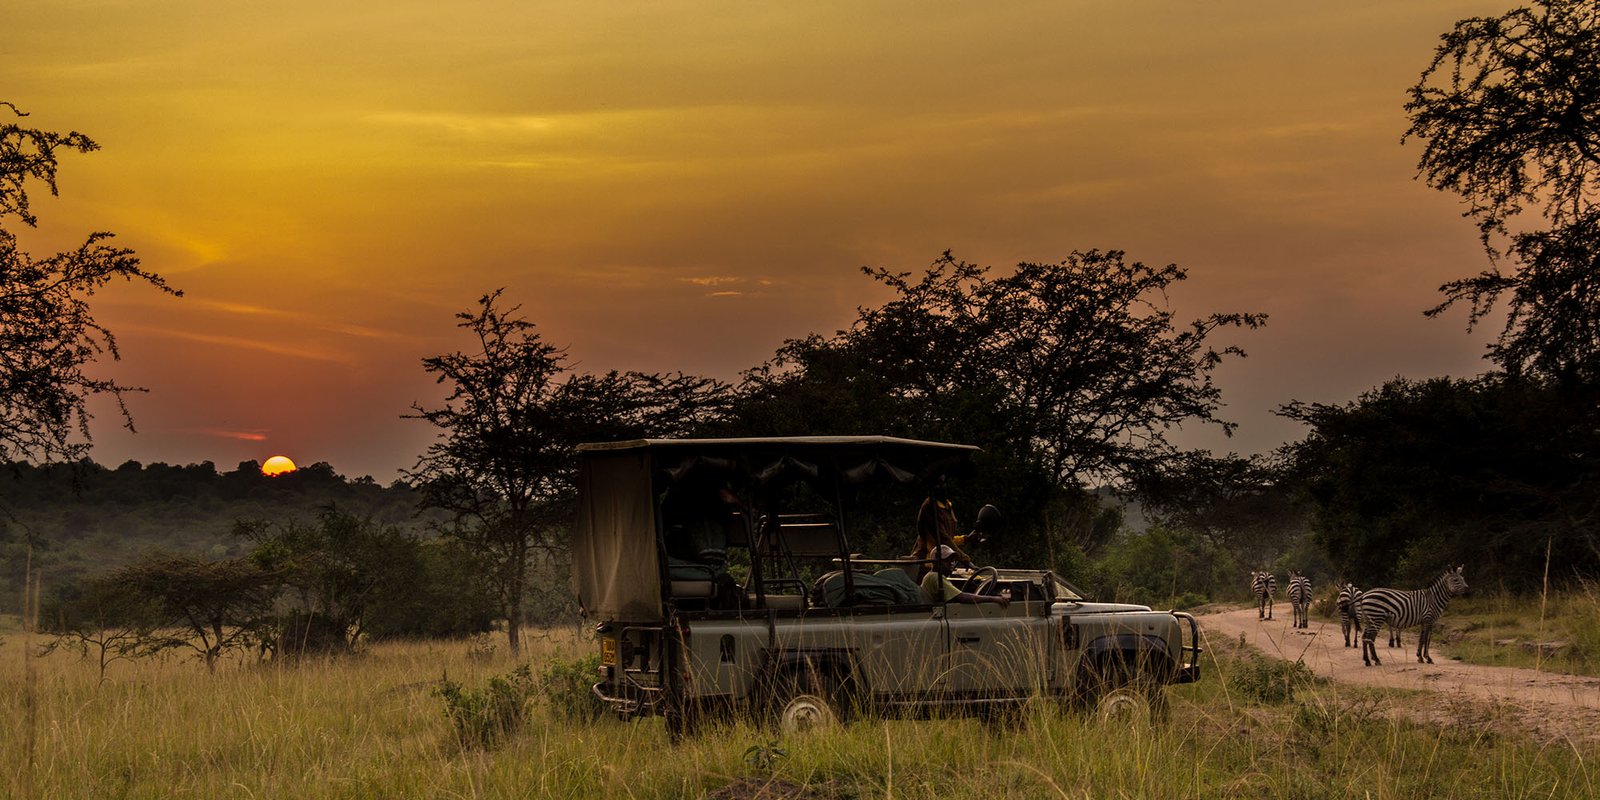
(48, 333)
(1508, 112)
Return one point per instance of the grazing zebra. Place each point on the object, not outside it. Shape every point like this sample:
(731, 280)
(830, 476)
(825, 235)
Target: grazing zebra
(1398, 609)
(1263, 585)
(1349, 596)
(1300, 599)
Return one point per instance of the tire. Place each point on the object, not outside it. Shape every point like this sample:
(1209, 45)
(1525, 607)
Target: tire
(805, 702)
(682, 724)
(1140, 705)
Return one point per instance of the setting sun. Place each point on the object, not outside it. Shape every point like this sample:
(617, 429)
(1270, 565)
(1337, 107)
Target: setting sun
(277, 465)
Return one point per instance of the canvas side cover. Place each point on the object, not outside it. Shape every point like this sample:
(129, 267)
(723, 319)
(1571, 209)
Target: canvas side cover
(615, 570)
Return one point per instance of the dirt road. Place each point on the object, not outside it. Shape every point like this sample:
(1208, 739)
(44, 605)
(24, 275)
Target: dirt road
(1542, 702)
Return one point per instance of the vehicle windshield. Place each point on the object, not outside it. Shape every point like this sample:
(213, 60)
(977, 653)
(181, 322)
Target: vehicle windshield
(1064, 590)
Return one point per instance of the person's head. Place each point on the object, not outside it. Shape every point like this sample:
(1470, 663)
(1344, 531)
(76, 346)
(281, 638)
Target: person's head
(944, 559)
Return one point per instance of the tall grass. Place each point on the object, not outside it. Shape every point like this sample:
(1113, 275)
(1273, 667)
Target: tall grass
(372, 727)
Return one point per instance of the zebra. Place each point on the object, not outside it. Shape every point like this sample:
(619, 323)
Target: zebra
(1402, 609)
(1300, 599)
(1263, 585)
(1349, 598)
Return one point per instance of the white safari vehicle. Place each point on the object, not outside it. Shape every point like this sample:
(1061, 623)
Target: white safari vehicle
(723, 581)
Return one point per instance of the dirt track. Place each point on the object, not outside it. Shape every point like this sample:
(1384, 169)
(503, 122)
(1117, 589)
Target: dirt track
(1542, 702)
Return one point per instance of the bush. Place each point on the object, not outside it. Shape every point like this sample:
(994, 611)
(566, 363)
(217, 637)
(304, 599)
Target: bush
(566, 688)
(483, 717)
(1269, 680)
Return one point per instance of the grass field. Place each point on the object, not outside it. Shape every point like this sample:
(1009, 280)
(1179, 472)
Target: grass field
(1511, 631)
(371, 726)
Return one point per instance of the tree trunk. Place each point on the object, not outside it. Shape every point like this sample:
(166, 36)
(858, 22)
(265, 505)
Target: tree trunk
(514, 596)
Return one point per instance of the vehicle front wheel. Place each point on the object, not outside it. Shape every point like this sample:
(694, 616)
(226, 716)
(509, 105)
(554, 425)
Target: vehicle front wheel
(805, 703)
(1131, 704)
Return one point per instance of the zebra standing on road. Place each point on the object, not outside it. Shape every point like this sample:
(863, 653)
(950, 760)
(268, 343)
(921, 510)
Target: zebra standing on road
(1300, 599)
(1263, 585)
(1402, 609)
(1349, 596)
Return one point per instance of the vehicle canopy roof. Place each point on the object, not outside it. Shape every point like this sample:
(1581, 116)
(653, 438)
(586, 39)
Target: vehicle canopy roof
(616, 553)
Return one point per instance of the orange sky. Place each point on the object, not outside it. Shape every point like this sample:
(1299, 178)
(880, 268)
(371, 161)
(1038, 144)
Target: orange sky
(681, 186)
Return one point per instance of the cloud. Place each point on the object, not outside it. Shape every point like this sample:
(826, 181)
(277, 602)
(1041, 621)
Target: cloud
(290, 350)
(298, 318)
(219, 433)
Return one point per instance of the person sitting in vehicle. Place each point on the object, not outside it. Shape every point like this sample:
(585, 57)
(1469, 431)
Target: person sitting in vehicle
(937, 526)
(937, 588)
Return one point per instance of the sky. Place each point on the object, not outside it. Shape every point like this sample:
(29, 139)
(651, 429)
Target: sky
(683, 186)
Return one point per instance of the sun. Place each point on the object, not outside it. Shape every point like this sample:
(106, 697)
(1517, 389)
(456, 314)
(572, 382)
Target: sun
(277, 465)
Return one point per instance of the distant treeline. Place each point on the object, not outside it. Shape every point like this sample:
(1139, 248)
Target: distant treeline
(84, 519)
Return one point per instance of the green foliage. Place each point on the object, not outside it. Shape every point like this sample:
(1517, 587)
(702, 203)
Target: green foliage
(1487, 472)
(86, 518)
(762, 757)
(1160, 563)
(484, 717)
(566, 689)
(1269, 680)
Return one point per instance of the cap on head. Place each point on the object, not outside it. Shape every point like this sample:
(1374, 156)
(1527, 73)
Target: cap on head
(945, 551)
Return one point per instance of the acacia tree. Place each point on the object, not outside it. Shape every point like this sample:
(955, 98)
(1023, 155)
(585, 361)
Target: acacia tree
(1070, 374)
(102, 620)
(503, 465)
(208, 607)
(48, 333)
(1508, 112)
(1076, 364)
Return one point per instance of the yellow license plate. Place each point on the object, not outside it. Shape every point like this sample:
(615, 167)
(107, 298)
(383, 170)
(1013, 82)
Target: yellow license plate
(608, 651)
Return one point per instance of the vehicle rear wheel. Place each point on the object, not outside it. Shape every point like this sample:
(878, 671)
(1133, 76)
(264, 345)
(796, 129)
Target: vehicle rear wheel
(682, 724)
(805, 702)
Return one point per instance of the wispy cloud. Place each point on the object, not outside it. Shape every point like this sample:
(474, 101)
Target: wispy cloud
(712, 280)
(276, 348)
(298, 318)
(220, 433)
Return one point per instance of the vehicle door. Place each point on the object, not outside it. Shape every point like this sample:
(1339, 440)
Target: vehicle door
(997, 652)
(903, 653)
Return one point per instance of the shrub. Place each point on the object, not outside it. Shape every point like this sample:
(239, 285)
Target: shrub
(566, 688)
(1269, 680)
(483, 717)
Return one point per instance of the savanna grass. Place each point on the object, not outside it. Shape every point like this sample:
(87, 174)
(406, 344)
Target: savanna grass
(372, 726)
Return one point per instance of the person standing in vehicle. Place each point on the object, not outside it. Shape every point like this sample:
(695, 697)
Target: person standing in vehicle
(937, 526)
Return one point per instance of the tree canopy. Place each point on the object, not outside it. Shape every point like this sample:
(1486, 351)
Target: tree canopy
(1508, 112)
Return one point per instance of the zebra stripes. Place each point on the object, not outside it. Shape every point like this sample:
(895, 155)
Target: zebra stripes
(1349, 596)
(1398, 609)
(1262, 586)
(1300, 599)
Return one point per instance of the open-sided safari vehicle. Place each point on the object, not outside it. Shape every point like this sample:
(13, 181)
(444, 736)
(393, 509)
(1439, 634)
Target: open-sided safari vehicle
(723, 580)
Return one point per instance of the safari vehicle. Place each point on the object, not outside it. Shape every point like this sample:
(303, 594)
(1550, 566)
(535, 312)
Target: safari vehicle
(723, 580)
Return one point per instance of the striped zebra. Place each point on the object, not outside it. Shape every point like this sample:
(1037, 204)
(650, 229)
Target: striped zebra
(1349, 596)
(1398, 609)
(1263, 585)
(1300, 599)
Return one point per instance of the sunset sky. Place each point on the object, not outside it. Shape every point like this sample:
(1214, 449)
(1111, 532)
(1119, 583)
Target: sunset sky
(682, 186)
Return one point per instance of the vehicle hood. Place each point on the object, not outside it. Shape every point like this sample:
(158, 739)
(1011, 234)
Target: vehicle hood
(1081, 607)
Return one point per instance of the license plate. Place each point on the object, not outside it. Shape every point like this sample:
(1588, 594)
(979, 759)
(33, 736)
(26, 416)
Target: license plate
(608, 651)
